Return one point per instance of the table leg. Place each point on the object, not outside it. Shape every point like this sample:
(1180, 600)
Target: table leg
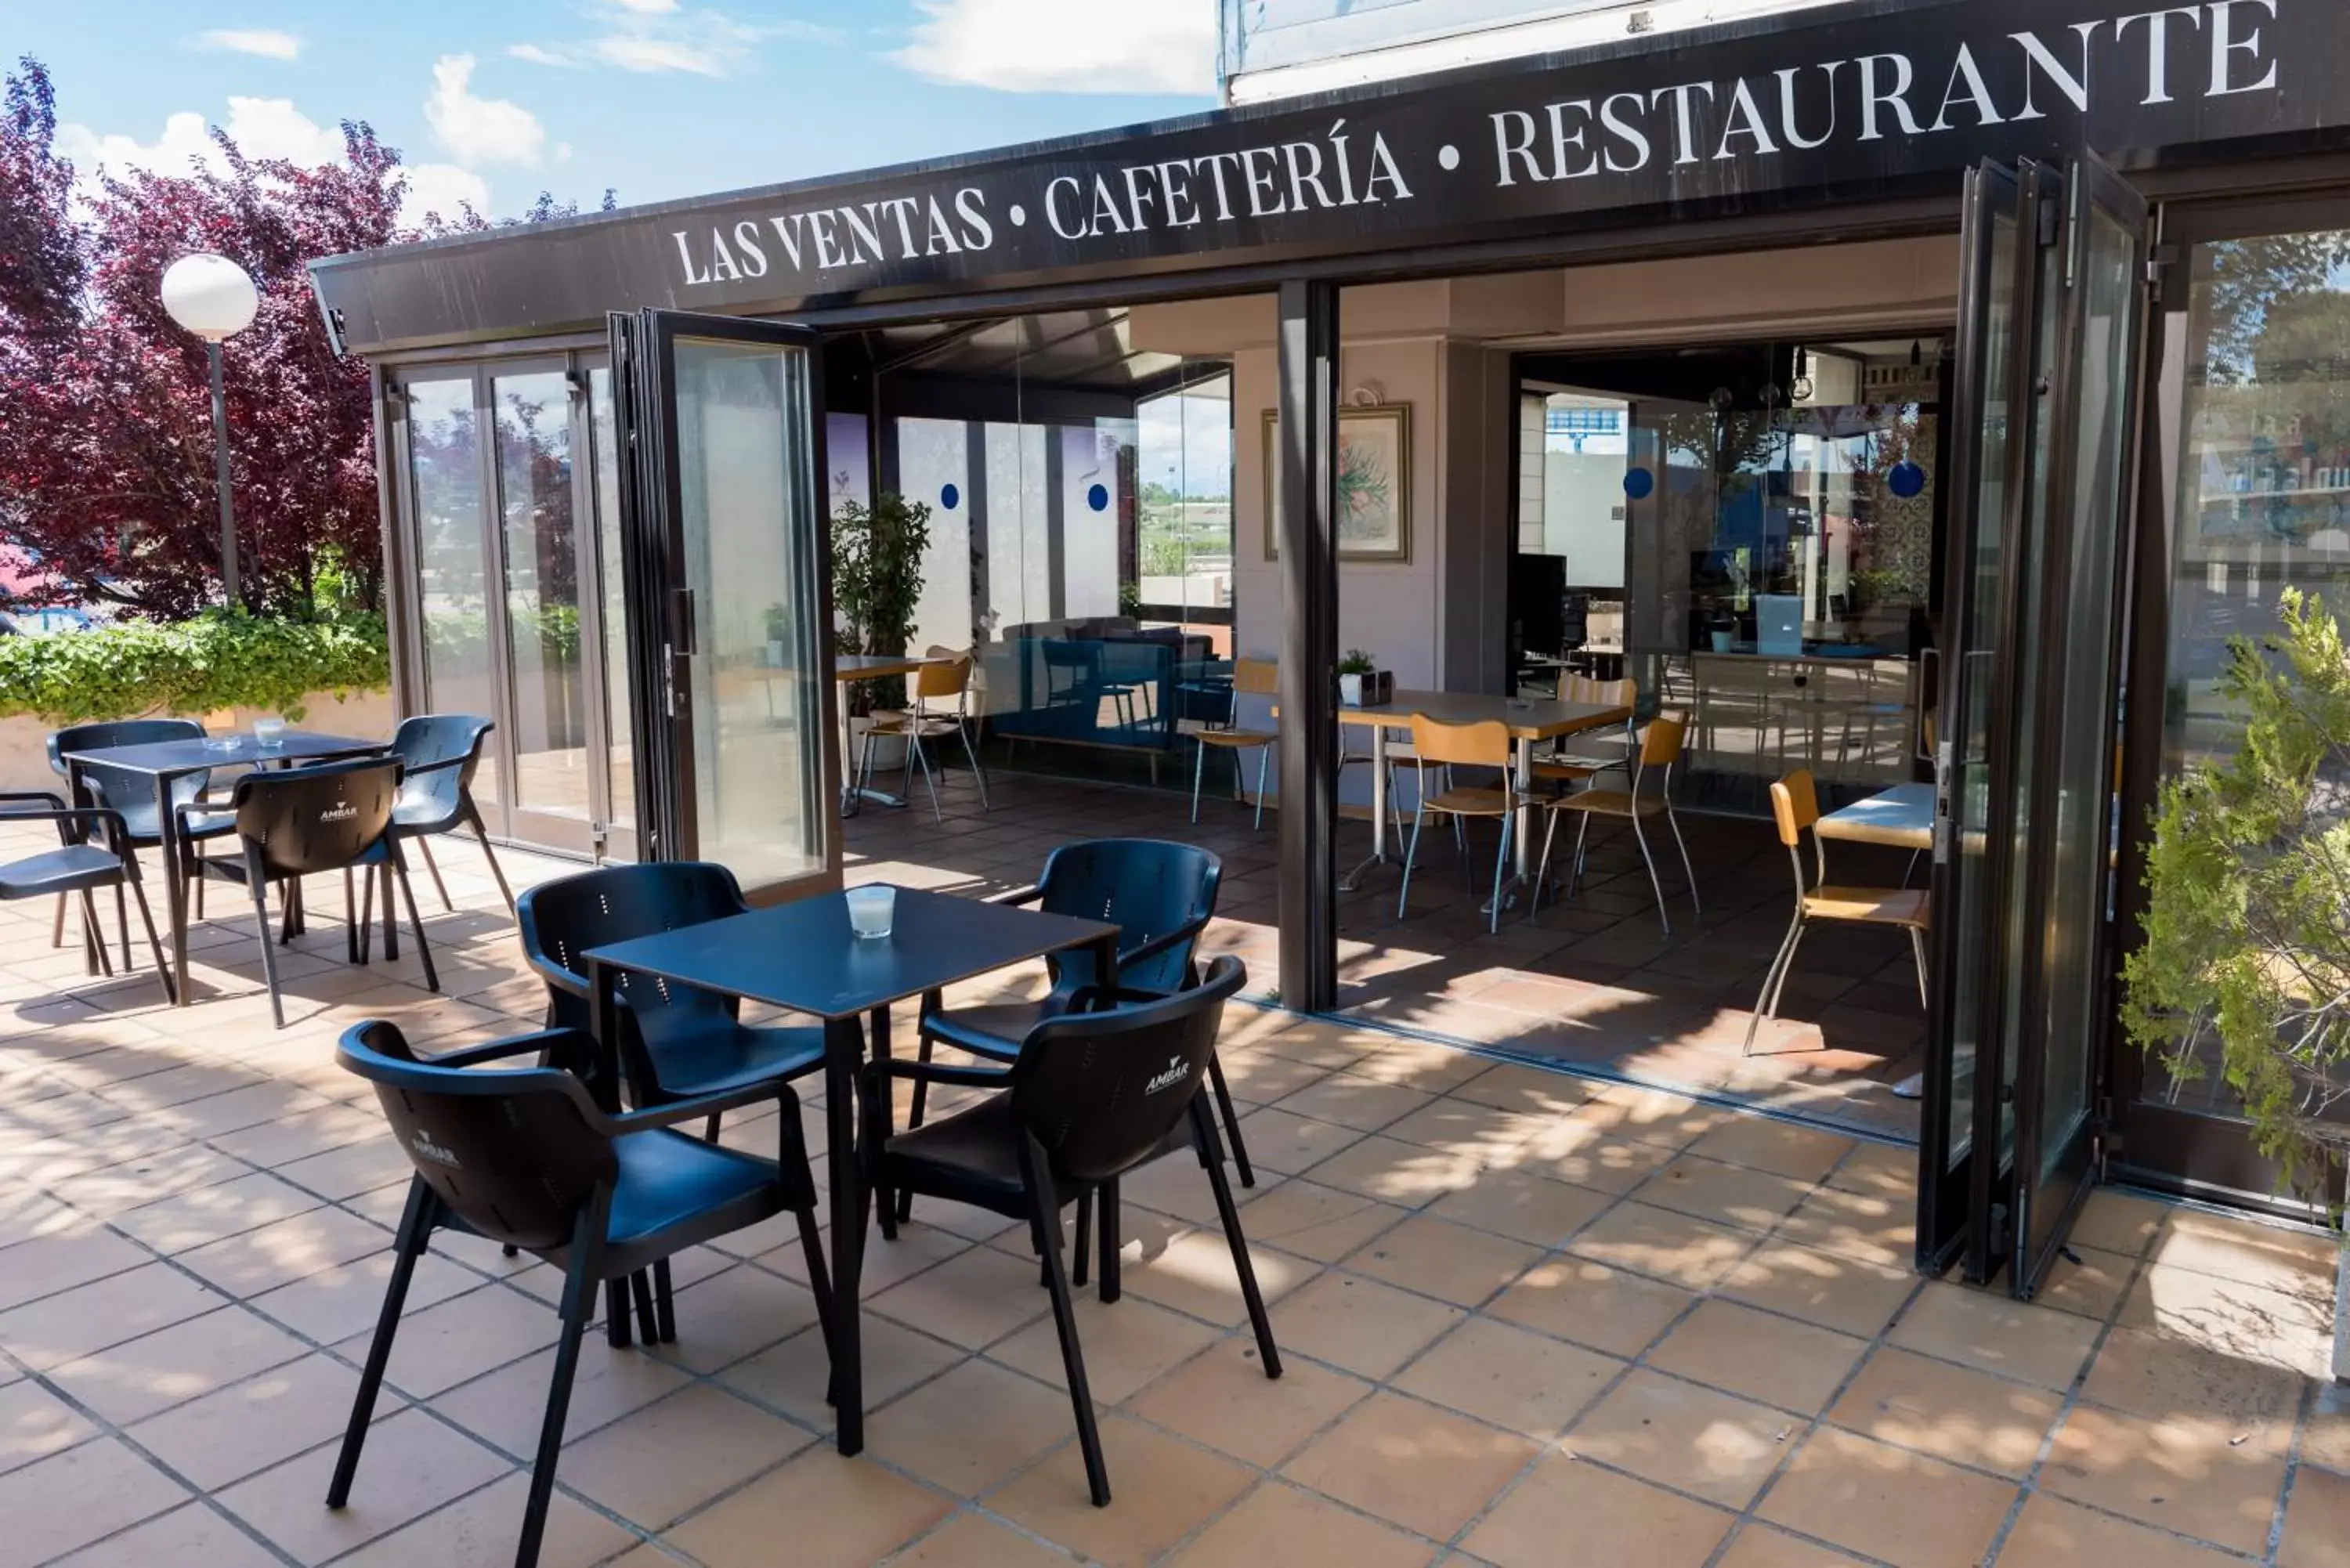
(167, 834)
(844, 1053)
(1522, 861)
(1378, 856)
(604, 1027)
(852, 795)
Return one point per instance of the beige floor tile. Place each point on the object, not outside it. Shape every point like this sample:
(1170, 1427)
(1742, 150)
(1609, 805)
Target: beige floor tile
(1439, 1259)
(452, 1341)
(1297, 1529)
(247, 1427)
(1174, 1184)
(971, 1427)
(68, 1500)
(1590, 1154)
(34, 1424)
(1285, 1143)
(285, 1251)
(2316, 1522)
(362, 1167)
(791, 1376)
(141, 1376)
(1192, 1271)
(1593, 1304)
(1951, 1412)
(1466, 1129)
(1513, 1086)
(1680, 1248)
(2115, 1222)
(1761, 1546)
(1676, 1434)
(337, 1304)
(2085, 1280)
(2296, 1260)
(1804, 1154)
(503, 1407)
(1320, 1222)
(61, 1258)
(1352, 1102)
(2054, 1533)
(1841, 1293)
(1163, 1490)
(1362, 1325)
(672, 1456)
(410, 1465)
(1527, 1382)
(2292, 1329)
(973, 1298)
(483, 1527)
(2157, 1375)
(1887, 1503)
(1727, 1194)
(973, 1541)
(1127, 1343)
(1887, 1171)
(1794, 1365)
(1223, 1399)
(1261, 1077)
(2190, 1476)
(835, 1512)
(190, 1534)
(187, 1220)
(1995, 1334)
(1607, 1518)
(1394, 1171)
(1411, 1464)
(738, 1312)
(88, 1318)
(1523, 1206)
(2325, 1440)
(1872, 1228)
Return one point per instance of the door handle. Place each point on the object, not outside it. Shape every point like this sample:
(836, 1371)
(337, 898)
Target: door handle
(1943, 809)
(681, 617)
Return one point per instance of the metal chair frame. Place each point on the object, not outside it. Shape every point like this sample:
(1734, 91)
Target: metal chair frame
(1660, 751)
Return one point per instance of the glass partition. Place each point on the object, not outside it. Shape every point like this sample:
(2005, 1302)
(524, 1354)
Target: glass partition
(619, 765)
(446, 498)
(547, 706)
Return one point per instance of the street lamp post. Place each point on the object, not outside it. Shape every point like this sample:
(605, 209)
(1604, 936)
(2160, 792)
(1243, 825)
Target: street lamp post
(211, 297)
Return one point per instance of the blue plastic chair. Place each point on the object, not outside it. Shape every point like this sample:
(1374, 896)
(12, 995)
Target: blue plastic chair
(133, 796)
(440, 752)
(524, 1156)
(84, 861)
(676, 1041)
(1161, 895)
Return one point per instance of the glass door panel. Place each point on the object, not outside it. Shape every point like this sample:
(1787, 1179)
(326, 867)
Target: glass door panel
(546, 718)
(734, 481)
(610, 659)
(446, 491)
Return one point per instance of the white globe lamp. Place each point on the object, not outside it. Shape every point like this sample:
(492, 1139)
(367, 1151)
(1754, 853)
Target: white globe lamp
(213, 297)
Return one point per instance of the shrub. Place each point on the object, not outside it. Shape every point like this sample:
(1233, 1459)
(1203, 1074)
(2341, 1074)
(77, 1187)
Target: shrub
(214, 661)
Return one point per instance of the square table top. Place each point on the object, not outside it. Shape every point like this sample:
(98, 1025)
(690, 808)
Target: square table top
(224, 751)
(804, 956)
(1902, 817)
(1529, 719)
(877, 666)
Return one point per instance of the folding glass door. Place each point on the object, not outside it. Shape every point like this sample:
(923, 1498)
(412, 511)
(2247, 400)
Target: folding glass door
(722, 523)
(2051, 308)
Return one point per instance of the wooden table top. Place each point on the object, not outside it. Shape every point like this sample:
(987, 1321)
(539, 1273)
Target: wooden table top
(1901, 817)
(1535, 718)
(877, 666)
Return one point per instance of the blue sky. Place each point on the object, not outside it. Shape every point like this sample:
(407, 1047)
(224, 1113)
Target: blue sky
(494, 100)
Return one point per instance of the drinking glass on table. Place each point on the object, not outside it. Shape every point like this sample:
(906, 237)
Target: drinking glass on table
(871, 909)
(269, 732)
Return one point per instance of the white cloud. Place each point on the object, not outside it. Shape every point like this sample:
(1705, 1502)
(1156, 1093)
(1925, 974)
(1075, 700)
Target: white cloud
(260, 127)
(266, 42)
(274, 128)
(647, 36)
(479, 129)
(1066, 46)
(442, 188)
(636, 53)
(533, 54)
(647, 7)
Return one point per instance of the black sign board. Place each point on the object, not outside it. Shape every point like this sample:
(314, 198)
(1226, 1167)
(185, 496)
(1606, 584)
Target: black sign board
(1821, 105)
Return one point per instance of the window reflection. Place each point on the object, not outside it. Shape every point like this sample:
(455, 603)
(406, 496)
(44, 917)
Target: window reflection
(453, 582)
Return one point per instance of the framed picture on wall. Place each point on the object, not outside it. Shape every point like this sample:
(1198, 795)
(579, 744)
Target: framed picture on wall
(1374, 483)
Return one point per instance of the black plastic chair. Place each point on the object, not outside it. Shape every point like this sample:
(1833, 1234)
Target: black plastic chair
(1094, 1095)
(1161, 895)
(132, 795)
(77, 867)
(523, 1156)
(676, 1041)
(299, 822)
(442, 751)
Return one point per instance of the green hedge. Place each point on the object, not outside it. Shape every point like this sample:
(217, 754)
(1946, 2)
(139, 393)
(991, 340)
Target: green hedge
(194, 666)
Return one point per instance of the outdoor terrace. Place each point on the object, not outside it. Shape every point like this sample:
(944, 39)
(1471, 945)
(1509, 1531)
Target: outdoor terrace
(1528, 1319)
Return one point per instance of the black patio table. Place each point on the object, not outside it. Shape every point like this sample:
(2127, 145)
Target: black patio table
(166, 761)
(804, 957)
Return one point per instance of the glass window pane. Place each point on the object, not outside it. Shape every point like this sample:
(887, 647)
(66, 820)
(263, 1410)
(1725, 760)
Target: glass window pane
(620, 743)
(548, 717)
(453, 596)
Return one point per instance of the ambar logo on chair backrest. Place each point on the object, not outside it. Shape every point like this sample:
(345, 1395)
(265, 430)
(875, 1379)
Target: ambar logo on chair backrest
(343, 812)
(1177, 1071)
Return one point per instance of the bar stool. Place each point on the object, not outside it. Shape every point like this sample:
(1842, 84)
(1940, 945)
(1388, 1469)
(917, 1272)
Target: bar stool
(1484, 744)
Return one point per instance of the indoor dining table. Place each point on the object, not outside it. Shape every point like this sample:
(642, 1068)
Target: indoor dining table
(805, 957)
(849, 668)
(167, 762)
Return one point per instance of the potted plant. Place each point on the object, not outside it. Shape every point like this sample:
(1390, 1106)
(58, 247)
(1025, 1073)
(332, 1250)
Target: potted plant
(2244, 968)
(779, 631)
(877, 581)
(1361, 682)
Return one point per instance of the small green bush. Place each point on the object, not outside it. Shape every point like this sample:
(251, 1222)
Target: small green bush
(214, 661)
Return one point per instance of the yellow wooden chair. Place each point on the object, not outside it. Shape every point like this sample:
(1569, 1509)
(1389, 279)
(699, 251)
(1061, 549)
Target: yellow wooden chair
(1796, 805)
(1615, 747)
(1436, 745)
(1251, 677)
(1660, 750)
(941, 695)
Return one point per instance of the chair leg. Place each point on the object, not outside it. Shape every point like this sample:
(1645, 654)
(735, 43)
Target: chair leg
(1204, 1131)
(1542, 871)
(1232, 1121)
(819, 1279)
(1410, 856)
(1084, 1247)
(1199, 776)
(641, 1292)
(1688, 871)
(415, 920)
(1045, 1212)
(1654, 881)
(57, 926)
(978, 774)
(93, 937)
(1501, 864)
(415, 1229)
(268, 949)
(579, 1295)
(664, 1303)
(122, 925)
(1766, 1002)
(154, 943)
(391, 921)
(930, 1002)
(1263, 761)
(1780, 990)
(1111, 1285)
(350, 915)
(617, 1331)
(1918, 952)
(367, 913)
(482, 834)
(424, 848)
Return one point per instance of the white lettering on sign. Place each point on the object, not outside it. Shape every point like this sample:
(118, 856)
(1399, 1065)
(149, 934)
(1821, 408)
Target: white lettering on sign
(1707, 133)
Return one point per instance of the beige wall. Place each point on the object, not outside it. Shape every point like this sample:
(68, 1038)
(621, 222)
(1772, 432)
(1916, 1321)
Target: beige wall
(23, 741)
